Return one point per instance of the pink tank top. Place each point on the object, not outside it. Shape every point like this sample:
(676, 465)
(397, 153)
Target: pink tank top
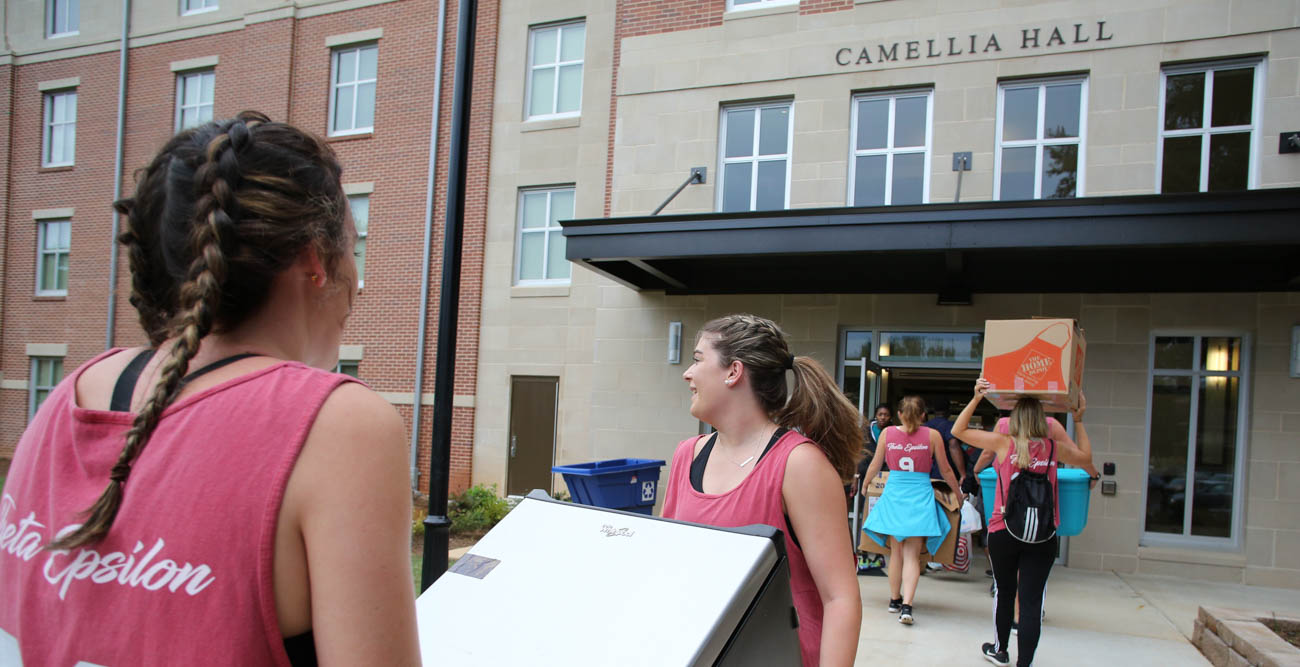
(1039, 451)
(184, 576)
(758, 499)
(905, 451)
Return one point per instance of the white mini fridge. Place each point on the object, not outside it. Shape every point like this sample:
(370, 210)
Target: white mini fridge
(557, 583)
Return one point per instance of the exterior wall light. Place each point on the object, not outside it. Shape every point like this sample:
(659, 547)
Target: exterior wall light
(674, 342)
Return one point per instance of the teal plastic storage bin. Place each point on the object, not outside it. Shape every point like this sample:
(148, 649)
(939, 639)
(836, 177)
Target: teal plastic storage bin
(1072, 492)
(630, 485)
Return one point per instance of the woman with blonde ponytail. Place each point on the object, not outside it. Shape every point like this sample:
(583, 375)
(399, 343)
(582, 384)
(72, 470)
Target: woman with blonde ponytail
(1031, 446)
(219, 496)
(787, 440)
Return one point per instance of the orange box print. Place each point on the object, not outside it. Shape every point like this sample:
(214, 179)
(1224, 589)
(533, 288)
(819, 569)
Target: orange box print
(1042, 358)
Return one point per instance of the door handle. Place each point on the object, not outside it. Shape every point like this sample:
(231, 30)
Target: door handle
(513, 446)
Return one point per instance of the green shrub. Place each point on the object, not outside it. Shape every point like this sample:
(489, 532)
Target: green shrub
(418, 514)
(476, 509)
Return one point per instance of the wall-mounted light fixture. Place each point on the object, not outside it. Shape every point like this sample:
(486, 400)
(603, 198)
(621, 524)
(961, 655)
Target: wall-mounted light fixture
(674, 342)
(1295, 351)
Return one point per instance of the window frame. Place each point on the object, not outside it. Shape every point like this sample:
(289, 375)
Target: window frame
(181, 77)
(531, 68)
(52, 15)
(1241, 461)
(890, 151)
(1257, 101)
(216, 4)
(335, 53)
(1039, 142)
(732, 7)
(362, 235)
(33, 387)
(546, 232)
(754, 159)
(48, 124)
(354, 364)
(42, 229)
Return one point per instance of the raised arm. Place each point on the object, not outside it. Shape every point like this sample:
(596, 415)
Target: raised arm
(936, 450)
(983, 439)
(814, 498)
(1077, 452)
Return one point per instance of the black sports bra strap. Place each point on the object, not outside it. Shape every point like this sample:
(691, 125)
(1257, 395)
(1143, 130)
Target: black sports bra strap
(125, 386)
(215, 365)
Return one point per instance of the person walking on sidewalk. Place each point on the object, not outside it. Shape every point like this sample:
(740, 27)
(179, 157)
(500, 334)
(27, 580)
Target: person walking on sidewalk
(780, 457)
(907, 514)
(1022, 554)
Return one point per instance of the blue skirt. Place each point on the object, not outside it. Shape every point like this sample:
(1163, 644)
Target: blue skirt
(906, 509)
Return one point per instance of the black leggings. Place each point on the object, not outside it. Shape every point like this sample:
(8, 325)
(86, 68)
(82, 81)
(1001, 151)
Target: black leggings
(1020, 568)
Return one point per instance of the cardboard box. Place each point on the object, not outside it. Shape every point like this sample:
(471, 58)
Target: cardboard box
(951, 503)
(1041, 357)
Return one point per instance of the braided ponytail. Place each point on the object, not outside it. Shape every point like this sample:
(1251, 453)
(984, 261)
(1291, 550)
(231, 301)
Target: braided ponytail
(201, 300)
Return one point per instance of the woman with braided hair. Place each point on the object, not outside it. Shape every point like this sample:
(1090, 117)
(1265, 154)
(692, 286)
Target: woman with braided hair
(781, 456)
(217, 497)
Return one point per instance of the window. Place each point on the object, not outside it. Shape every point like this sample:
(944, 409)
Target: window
(755, 157)
(348, 367)
(60, 129)
(352, 98)
(52, 242)
(891, 149)
(1041, 128)
(361, 218)
(197, 6)
(540, 256)
(46, 373)
(62, 17)
(555, 70)
(194, 92)
(1209, 117)
(1195, 435)
(754, 4)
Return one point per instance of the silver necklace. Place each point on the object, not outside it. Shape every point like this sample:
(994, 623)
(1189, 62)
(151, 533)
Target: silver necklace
(742, 464)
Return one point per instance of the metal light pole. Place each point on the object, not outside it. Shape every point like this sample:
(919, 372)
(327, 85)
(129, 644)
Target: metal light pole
(436, 525)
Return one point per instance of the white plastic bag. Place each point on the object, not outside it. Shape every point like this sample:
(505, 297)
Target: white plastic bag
(971, 518)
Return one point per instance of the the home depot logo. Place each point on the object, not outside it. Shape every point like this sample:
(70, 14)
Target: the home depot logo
(1034, 367)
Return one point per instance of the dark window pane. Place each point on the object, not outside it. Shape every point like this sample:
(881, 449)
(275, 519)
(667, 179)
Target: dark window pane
(736, 186)
(909, 178)
(873, 123)
(740, 133)
(1018, 173)
(1229, 161)
(1181, 167)
(1221, 354)
(1216, 455)
(909, 122)
(773, 131)
(1174, 353)
(857, 345)
(1233, 97)
(1171, 400)
(1020, 114)
(1060, 171)
(1061, 117)
(869, 181)
(771, 186)
(945, 347)
(852, 384)
(1184, 101)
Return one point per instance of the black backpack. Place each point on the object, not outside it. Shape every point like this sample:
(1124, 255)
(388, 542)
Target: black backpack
(1030, 510)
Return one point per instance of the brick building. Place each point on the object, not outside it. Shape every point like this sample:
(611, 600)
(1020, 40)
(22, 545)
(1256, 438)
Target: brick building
(190, 60)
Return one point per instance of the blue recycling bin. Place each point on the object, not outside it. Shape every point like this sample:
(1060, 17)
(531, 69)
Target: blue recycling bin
(630, 485)
(1072, 494)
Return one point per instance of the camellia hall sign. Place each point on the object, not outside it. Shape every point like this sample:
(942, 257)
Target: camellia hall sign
(1030, 38)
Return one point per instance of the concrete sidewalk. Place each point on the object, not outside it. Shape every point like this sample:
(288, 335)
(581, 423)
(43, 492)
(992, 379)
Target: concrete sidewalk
(1092, 618)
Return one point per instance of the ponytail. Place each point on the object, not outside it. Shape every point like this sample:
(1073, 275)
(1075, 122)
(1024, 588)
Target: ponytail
(819, 410)
(1027, 422)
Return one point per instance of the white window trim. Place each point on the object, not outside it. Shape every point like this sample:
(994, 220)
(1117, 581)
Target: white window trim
(555, 98)
(47, 124)
(50, 32)
(32, 387)
(890, 151)
(180, 92)
(201, 10)
(544, 231)
(732, 7)
(1242, 460)
(723, 160)
(356, 83)
(41, 254)
(1081, 141)
(1257, 101)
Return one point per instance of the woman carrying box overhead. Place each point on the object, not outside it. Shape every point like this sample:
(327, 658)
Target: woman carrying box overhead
(777, 462)
(1026, 511)
(907, 511)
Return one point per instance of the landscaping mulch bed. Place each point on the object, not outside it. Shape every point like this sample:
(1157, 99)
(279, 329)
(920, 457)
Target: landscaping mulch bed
(1285, 629)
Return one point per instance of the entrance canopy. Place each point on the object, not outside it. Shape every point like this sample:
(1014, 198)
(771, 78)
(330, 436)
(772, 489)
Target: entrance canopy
(1208, 242)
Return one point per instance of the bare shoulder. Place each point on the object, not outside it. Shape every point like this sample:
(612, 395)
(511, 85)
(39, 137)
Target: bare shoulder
(808, 464)
(358, 439)
(95, 385)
